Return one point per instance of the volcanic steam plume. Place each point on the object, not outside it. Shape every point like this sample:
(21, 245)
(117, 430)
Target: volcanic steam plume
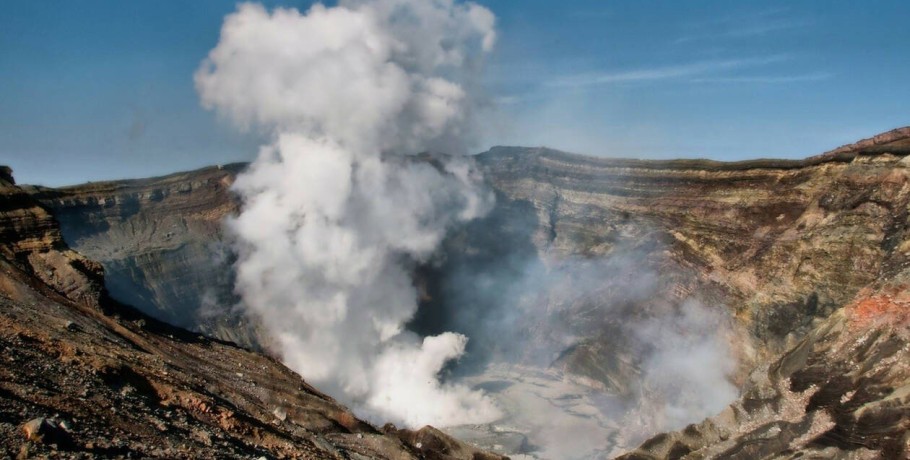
(334, 213)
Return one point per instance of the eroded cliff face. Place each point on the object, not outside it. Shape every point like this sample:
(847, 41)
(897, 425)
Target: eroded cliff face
(32, 241)
(86, 377)
(778, 243)
(161, 243)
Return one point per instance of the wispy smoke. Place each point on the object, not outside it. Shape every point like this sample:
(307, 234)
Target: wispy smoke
(600, 352)
(686, 375)
(333, 216)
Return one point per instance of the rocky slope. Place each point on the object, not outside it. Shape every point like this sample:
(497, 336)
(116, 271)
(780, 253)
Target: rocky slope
(841, 392)
(32, 238)
(86, 377)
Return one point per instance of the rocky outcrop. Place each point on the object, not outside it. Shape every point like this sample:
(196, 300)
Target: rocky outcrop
(32, 241)
(6, 175)
(86, 377)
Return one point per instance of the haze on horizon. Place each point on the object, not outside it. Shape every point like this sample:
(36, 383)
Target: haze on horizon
(101, 89)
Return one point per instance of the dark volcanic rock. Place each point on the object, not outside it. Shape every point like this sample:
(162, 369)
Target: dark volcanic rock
(47, 431)
(6, 175)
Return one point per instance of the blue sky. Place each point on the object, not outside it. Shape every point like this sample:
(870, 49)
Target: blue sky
(92, 90)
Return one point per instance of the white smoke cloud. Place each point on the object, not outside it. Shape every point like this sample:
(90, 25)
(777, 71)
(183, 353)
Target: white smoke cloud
(686, 377)
(607, 352)
(333, 217)
(387, 75)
